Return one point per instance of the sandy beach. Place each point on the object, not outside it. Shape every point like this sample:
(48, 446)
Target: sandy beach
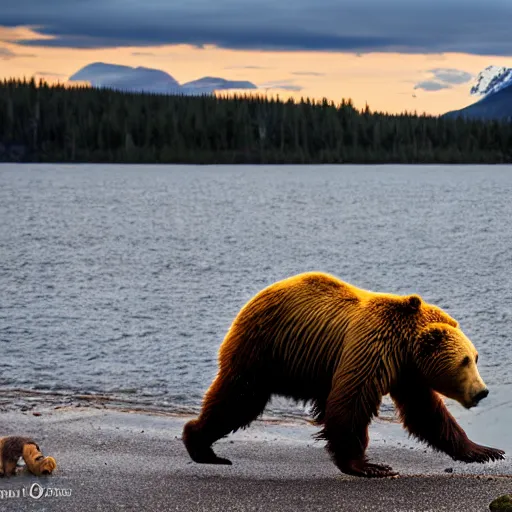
(112, 459)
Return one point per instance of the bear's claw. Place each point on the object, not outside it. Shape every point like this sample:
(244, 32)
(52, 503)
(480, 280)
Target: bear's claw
(369, 470)
(480, 454)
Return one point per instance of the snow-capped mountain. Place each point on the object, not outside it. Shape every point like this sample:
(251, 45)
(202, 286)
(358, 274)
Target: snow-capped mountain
(495, 106)
(494, 86)
(141, 79)
(491, 80)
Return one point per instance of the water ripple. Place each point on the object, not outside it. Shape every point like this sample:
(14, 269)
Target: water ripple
(124, 280)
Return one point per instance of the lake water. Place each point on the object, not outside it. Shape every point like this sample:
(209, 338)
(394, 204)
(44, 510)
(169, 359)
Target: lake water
(123, 280)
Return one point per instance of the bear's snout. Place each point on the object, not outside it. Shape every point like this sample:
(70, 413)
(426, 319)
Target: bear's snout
(480, 396)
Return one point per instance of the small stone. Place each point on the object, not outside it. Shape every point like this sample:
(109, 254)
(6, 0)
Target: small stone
(37, 414)
(448, 470)
(502, 504)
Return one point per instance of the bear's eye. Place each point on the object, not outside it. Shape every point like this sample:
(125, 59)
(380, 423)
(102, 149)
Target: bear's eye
(466, 361)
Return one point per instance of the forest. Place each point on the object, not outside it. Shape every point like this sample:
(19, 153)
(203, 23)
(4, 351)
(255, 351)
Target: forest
(55, 123)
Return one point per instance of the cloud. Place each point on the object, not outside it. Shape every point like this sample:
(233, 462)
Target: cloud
(444, 78)
(246, 67)
(451, 75)
(307, 73)
(362, 26)
(284, 85)
(143, 54)
(6, 54)
(13, 34)
(436, 56)
(431, 85)
(50, 74)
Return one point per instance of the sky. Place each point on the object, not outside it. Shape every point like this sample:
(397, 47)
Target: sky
(393, 55)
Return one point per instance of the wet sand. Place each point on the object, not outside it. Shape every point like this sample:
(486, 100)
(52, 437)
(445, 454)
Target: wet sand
(114, 460)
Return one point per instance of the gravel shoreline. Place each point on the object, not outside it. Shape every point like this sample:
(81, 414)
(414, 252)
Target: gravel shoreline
(121, 460)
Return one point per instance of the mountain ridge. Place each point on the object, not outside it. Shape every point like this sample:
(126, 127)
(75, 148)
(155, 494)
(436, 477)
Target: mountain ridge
(494, 86)
(495, 106)
(151, 80)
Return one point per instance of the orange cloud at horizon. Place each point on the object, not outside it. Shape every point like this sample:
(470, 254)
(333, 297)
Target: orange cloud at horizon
(385, 81)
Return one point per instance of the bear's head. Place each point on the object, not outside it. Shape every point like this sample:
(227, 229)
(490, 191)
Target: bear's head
(448, 360)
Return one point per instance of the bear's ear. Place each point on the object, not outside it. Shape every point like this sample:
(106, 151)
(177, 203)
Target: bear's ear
(412, 303)
(432, 339)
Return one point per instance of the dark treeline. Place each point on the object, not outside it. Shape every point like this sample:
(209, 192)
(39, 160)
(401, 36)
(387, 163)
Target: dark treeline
(43, 123)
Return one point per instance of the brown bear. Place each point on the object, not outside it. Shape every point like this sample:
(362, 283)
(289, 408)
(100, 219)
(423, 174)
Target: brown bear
(315, 338)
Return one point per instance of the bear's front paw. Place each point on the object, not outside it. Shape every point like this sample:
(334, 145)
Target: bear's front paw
(46, 466)
(480, 454)
(367, 469)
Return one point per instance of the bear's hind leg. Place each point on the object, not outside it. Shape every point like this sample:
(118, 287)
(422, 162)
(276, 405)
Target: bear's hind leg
(229, 404)
(197, 447)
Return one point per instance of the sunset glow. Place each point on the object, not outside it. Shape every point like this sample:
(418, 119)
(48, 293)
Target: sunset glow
(403, 57)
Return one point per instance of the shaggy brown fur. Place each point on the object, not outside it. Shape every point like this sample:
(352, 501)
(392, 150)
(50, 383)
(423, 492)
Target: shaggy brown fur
(14, 447)
(313, 337)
